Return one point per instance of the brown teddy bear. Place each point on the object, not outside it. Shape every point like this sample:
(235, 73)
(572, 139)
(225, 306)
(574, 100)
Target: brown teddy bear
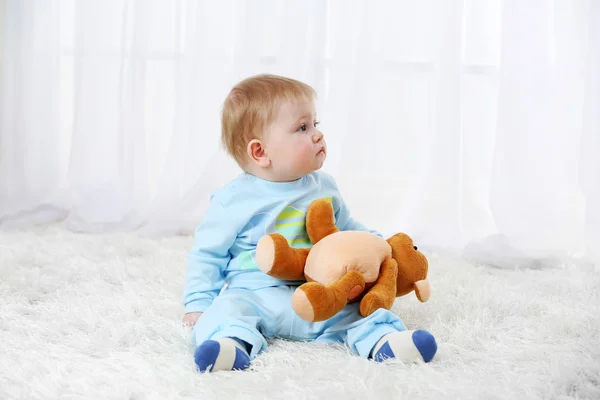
(344, 266)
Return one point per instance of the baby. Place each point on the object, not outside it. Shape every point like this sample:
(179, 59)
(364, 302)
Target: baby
(269, 126)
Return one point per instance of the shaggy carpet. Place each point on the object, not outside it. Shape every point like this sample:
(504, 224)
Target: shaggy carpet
(98, 317)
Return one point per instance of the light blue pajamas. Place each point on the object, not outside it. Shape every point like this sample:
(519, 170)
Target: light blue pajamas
(255, 305)
(253, 315)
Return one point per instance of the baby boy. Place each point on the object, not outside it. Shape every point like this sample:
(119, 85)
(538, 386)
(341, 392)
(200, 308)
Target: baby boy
(269, 126)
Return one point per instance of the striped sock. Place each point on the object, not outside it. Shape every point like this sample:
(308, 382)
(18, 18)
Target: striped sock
(406, 346)
(223, 354)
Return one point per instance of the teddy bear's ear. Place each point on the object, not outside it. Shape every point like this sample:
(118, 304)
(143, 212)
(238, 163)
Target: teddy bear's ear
(320, 220)
(400, 239)
(423, 290)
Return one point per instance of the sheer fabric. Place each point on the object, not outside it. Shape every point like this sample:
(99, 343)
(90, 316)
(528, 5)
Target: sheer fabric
(472, 125)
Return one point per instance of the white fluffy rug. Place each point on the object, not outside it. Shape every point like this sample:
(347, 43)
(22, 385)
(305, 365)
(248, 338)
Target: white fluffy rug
(98, 317)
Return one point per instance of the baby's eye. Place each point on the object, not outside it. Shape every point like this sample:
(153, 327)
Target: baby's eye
(316, 123)
(302, 128)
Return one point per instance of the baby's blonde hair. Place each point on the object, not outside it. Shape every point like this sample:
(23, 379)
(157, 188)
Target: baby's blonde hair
(251, 106)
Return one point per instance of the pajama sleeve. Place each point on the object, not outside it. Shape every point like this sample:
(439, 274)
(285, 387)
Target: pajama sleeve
(344, 221)
(208, 258)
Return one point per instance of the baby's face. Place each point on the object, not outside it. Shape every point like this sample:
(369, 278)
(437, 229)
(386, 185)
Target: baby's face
(294, 144)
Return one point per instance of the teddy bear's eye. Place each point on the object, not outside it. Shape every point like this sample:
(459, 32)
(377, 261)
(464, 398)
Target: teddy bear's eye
(415, 247)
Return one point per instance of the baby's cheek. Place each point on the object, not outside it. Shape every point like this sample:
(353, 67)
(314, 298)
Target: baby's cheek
(306, 155)
(300, 157)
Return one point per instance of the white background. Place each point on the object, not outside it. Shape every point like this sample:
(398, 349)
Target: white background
(451, 120)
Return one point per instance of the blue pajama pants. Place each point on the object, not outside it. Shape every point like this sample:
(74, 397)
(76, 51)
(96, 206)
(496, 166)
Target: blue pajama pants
(253, 315)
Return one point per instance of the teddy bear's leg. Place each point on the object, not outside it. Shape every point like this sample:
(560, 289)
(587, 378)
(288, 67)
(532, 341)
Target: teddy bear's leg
(383, 293)
(320, 220)
(316, 302)
(275, 257)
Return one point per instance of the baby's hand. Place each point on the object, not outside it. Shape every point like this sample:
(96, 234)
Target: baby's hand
(190, 319)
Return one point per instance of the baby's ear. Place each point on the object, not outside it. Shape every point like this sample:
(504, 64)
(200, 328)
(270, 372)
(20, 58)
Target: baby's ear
(257, 154)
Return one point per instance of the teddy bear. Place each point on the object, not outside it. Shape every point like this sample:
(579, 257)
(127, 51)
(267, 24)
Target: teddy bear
(344, 266)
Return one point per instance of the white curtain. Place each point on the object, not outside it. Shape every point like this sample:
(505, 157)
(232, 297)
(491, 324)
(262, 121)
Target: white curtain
(473, 125)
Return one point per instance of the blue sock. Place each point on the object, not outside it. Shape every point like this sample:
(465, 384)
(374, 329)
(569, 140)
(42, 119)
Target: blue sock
(223, 354)
(407, 346)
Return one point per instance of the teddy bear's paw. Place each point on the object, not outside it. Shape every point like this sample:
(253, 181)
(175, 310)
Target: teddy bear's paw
(301, 303)
(265, 252)
(374, 301)
(315, 302)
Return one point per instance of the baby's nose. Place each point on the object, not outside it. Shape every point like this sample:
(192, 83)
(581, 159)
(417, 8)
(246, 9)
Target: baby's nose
(317, 137)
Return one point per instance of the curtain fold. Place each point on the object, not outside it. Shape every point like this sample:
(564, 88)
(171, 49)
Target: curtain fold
(589, 162)
(472, 125)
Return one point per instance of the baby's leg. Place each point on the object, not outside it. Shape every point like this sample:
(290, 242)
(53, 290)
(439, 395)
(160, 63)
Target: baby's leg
(381, 335)
(228, 334)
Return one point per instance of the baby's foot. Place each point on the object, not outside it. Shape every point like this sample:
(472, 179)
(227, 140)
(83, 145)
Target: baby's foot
(407, 346)
(224, 354)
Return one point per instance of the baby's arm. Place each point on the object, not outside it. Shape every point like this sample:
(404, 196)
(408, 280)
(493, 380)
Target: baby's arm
(352, 224)
(208, 260)
(344, 221)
